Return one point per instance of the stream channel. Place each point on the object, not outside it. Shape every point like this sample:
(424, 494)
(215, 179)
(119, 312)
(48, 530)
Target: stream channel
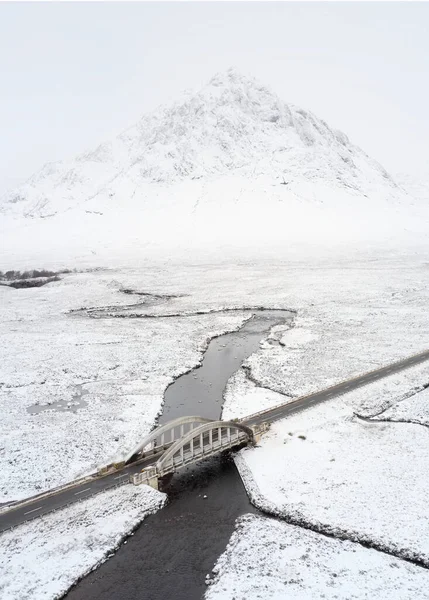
(171, 552)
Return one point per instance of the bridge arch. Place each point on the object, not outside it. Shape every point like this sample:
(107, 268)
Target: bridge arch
(210, 436)
(165, 435)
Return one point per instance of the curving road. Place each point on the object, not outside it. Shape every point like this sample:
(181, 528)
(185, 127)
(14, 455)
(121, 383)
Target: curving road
(56, 499)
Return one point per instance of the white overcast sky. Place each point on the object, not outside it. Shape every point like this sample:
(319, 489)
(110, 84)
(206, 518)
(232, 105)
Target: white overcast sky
(75, 74)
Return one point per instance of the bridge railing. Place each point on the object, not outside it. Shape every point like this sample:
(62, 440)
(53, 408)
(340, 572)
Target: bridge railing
(266, 411)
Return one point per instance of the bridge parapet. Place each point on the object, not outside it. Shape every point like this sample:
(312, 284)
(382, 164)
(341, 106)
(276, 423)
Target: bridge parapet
(164, 436)
(259, 430)
(148, 476)
(204, 441)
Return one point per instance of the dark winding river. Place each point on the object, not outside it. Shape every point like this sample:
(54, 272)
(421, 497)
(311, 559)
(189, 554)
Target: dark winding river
(171, 552)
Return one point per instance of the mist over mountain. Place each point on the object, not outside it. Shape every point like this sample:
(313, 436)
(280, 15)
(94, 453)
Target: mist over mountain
(231, 161)
(416, 186)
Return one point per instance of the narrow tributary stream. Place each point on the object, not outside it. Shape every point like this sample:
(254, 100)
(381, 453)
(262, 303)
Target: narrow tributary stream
(171, 552)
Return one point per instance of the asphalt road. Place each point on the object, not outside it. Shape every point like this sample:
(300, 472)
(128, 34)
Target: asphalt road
(42, 504)
(279, 412)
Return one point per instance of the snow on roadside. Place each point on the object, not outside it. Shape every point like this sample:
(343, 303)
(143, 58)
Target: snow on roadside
(414, 409)
(43, 558)
(325, 469)
(391, 391)
(404, 389)
(269, 559)
(242, 397)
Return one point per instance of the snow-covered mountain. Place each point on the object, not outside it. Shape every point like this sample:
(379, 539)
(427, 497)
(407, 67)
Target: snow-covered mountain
(233, 124)
(231, 161)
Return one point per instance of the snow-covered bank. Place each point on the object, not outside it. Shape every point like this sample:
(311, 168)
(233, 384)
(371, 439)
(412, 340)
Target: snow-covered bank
(326, 470)
(414, 409)
(269, 559)
(43, 558)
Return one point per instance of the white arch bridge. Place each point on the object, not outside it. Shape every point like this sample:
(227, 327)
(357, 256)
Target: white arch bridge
(185, 441)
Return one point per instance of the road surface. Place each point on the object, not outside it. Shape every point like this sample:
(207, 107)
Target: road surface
(42, 504)
(279, 412)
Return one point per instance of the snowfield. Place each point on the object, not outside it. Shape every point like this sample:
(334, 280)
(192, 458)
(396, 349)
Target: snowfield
(124, 365)
(330, 472)
(414, 409)
(43, 558)
(270, 559)
(348, 323)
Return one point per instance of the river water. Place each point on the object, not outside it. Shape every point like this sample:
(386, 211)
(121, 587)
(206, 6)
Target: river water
(171, 552)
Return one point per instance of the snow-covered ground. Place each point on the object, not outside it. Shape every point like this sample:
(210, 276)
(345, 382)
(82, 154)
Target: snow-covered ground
(414, 409)
(43, 558)
(363, 318)
(269, 559)
(332, 472)
(351, 320)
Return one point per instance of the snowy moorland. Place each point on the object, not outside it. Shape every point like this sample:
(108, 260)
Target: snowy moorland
(269, 559)
(43, 558)
(328, 471)
(363, 318)
(414, 409)
(373, 310)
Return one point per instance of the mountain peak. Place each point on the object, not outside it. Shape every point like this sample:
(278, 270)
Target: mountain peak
(232, 125)
(232, 77)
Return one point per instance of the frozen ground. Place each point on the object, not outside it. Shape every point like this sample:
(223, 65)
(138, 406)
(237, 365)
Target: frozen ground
(401, 396)
(351, 320)
(270, 559)
(327, 470)
(414, 409)
(43, 558)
